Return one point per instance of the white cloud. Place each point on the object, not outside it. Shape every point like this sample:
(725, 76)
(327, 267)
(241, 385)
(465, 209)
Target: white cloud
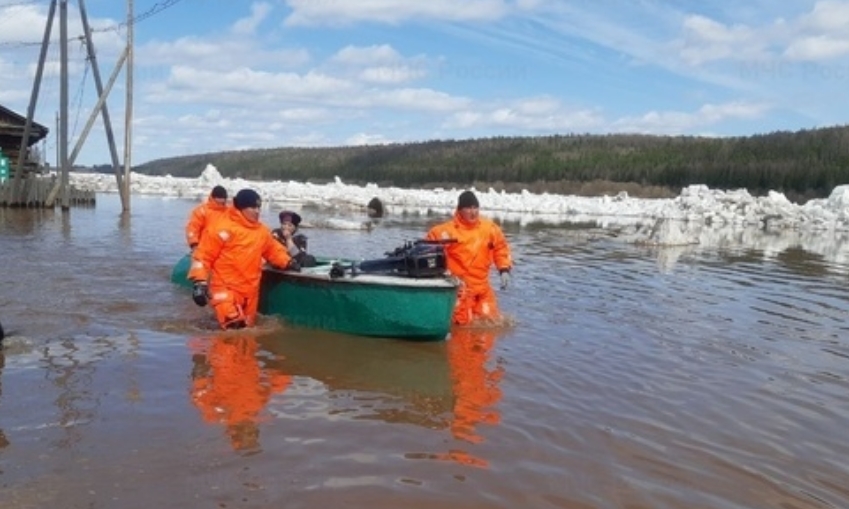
(23, 23)
(677, 122)
(705, 40)
(819, 48)
(367, 139)
(219, 53)
(379, 64)
(529, 5)
(301, 115)
(818, 35)
(829, 16)
(191, 48)
(530, 116)
(367, 55)
(538, 106)
(468, 69)
(391, 75)
(423, 99)
(255, 85)
(341, 12)
(248, 25)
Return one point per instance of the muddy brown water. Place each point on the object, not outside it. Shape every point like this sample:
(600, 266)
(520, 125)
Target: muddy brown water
(714, 378)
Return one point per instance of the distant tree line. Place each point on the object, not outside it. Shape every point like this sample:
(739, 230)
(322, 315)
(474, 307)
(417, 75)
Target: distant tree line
(803, 164)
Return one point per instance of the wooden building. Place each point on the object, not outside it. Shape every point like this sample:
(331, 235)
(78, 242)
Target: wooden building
(36, 189)
(12, 132)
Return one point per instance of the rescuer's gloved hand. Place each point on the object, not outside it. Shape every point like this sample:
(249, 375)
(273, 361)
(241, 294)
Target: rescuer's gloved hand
(505, 279)
(294, 266)
(200, 293)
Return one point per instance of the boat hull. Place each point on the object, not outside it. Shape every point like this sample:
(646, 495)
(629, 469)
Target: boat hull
(356, 303)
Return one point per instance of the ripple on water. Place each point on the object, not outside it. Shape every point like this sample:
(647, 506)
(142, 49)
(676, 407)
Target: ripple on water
(633, 377)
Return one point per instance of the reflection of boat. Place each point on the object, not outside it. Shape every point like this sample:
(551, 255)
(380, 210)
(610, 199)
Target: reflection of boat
(453, 384)
(391, 381)
(405, 295)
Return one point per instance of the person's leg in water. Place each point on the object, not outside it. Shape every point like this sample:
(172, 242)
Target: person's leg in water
(229, 308)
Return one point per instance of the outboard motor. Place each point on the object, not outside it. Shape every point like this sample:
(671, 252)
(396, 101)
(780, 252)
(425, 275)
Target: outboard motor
(425, 260)
(419, 259)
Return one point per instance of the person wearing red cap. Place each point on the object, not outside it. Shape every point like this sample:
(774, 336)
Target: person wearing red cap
(476, 245)
(204, 214)
(227, 265)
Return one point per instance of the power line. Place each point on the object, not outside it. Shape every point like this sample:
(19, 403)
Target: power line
(17, 44)
(157, 8)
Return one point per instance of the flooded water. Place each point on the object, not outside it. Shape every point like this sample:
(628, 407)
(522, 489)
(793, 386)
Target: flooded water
(711, 377)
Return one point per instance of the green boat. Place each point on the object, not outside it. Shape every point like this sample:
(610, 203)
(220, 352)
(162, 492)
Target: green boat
(405, 295)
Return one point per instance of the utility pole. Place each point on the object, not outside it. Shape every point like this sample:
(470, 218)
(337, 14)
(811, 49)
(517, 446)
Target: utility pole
(63, 103)
(101, 105)
(17, 182)
(128, 124)
(64, 161)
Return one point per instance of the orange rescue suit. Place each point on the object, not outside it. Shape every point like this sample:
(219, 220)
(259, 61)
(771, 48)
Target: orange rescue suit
(230, 256)
(480, 244)
(202, 216)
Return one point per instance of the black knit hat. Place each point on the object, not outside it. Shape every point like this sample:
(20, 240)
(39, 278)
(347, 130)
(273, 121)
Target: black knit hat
(467, 199)
(288, 215)
(219, 192)
(247, 198)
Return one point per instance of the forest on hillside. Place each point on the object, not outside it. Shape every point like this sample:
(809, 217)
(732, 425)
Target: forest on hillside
(803, 164)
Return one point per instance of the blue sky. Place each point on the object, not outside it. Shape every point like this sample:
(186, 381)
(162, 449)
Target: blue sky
(214, 75)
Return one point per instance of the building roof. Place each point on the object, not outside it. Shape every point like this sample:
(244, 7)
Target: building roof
(12, 127)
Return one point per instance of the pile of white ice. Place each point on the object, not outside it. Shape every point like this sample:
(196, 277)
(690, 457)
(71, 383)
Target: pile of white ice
(697, 215)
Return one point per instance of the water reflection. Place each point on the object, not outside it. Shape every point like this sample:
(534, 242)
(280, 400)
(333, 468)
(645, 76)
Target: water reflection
(24, 221)
(475, 385)
(71, 366)
(66, 226)
(474, 380)
(4, 442)
(231, 385)
(450, 386)
(668, 257)
(392, 381)
(125, 230)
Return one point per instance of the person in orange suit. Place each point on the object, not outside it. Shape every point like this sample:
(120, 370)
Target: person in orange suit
(227, 265)
(476, 245)
(231, 385)
(205, 214)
